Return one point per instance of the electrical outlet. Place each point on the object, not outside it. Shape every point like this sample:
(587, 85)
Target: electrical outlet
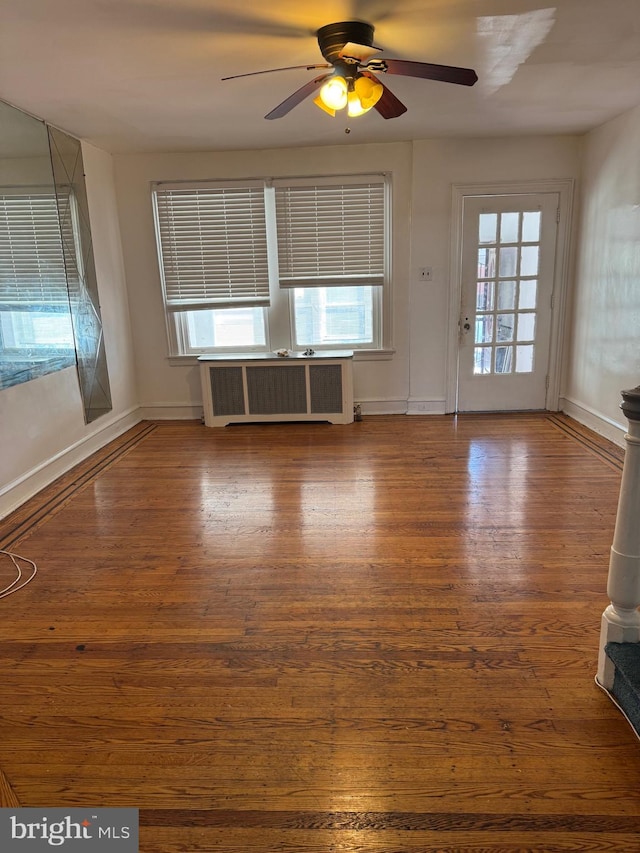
(425, 273)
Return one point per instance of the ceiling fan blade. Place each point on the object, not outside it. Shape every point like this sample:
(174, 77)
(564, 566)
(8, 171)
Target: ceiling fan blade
(297, 97)
(428, 71)
(271, 70)
(194, 17)
(389, 106)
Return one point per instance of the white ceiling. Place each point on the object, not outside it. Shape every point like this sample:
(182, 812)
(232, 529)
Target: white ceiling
(144, 75)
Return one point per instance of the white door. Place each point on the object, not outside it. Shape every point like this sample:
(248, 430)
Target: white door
(508, 270)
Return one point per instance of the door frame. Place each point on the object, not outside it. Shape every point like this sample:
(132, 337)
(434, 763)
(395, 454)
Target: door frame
(565, 191)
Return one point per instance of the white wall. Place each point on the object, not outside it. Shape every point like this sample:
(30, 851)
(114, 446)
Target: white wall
(166, 388)
(42, 421)
(604, 354)
(112, 288)
(423, 172)
(438, 164)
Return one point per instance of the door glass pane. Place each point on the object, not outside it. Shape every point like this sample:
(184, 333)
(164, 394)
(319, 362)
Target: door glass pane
(504, 359)
(526, 327)
(484, 329)
(484, 297)
(486, 263)
(531, 227)
(528, 295)
(509, 227)
(506, 324)
(488, 227)
(524, 359)
(529, 260)
(482, 360)
(508, 262)
(506, 295)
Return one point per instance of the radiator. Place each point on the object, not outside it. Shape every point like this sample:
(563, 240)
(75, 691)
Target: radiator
(245, 388)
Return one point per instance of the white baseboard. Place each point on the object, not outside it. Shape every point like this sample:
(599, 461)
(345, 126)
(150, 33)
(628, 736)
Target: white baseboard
(17, 492)
(382, 407)
(427, 407)
(596, 421)
(171, 412)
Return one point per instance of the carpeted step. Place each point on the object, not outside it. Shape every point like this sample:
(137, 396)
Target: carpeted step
(626, 682)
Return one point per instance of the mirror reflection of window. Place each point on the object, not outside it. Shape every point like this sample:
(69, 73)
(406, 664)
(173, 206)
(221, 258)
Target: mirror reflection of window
(36, 333)
(49, 306)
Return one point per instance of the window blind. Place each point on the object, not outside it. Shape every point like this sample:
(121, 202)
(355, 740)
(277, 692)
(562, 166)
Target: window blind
(32, 269)
(331, 234)
(213, 247)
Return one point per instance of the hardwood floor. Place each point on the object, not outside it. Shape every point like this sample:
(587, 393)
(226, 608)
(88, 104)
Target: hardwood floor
(379, 637)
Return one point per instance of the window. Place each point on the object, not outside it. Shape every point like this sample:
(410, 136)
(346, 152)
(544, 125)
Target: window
(334, 315)
(212, 244)
(274, 264)
(506, 292)
(331, 251)
(35, 320)
(232, 328)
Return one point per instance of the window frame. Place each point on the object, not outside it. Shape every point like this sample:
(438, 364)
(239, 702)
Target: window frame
(175, 319)
(374, 273)
(279, 315)
(178, 331)
(376, 335)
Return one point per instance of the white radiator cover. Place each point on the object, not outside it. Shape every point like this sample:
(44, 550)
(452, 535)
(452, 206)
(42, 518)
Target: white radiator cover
(263, 387)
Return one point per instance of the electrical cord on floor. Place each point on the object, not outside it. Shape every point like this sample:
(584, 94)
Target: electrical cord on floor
(15, 585)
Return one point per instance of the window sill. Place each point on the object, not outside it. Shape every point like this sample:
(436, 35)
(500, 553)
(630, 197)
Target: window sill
(374, 354)
(358, 355)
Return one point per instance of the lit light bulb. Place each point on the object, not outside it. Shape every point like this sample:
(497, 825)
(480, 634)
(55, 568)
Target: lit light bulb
(354, 105)
(334, 93)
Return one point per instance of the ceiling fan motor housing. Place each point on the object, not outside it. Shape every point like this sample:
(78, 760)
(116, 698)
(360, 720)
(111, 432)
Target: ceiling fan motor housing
(333, 37)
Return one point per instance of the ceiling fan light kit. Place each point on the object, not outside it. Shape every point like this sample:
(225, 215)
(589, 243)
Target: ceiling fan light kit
(353, 83)
(355, 92)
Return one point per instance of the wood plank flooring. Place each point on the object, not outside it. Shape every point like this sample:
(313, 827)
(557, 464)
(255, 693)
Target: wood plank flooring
(375, 638)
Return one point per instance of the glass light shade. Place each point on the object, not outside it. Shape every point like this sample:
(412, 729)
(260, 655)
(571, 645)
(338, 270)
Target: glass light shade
(354, 105)
(320, 103)
(364, 94)
(368, 91)
(334, 93)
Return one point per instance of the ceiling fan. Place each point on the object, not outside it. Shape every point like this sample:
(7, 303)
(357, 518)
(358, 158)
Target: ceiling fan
(354, 80)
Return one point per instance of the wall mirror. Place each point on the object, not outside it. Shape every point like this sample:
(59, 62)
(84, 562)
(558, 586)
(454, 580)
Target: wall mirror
(36, 335)
(49, 313)
(77, 249)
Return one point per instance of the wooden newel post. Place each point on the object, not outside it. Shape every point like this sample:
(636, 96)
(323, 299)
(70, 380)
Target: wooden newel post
(621, 619)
